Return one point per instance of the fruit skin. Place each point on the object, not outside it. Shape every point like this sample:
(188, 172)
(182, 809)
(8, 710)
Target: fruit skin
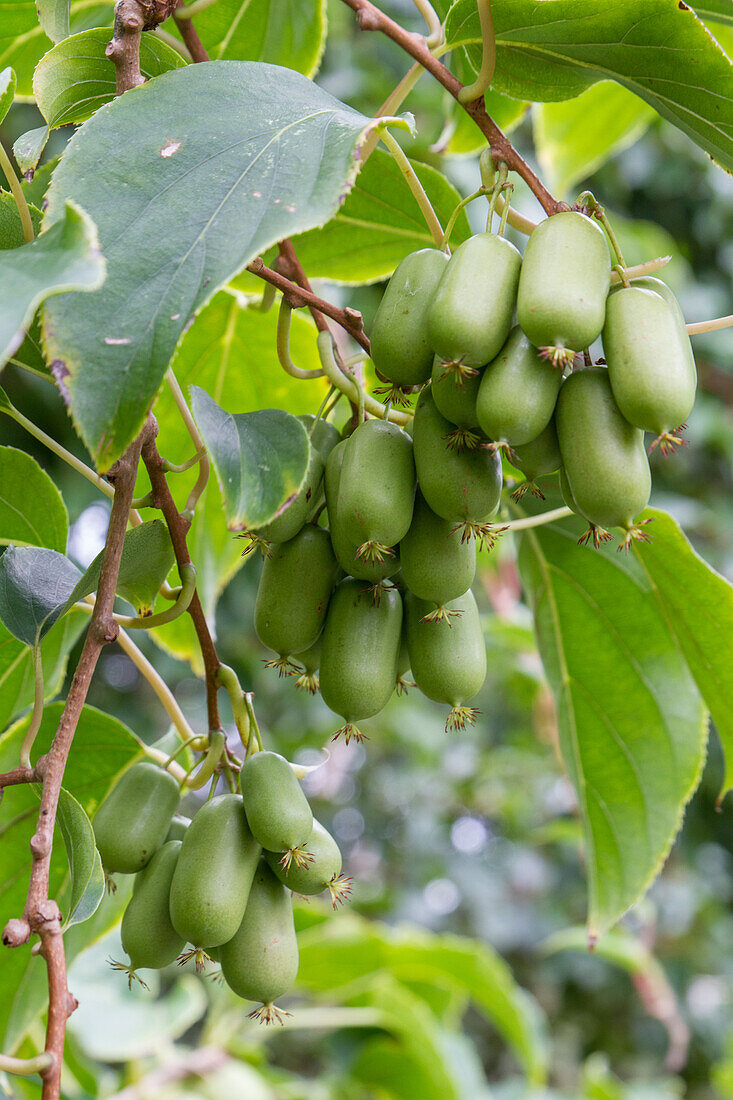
(436, 564)
(295, 586)
(650, 282)
(566, 273)
(457, 485)
(313, 877)
(361, 643)
(471, 312)
(455, 394)
(148, 936)
(603, 455)
(260, 962)
(212, 879)
(648, 360)
(567, 492)
(377, 484)
(518, 392)
(400, 349)
(291, 519)
(344, 549)
(540, 456)
(277, 810)
(132, 822)
(448, 659)
(178, 827)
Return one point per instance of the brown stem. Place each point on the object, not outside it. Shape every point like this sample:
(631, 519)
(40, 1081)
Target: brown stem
(132, 17)
(372, 19)
(41, 915)
(299, 294)
(178, 527)
(189, 34)
(19, 775)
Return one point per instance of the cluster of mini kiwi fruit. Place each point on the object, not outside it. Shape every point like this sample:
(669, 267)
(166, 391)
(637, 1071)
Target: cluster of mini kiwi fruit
(223, 882)
(367, 573)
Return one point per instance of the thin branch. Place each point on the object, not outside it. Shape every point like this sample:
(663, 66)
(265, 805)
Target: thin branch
(299, 296)
(17, 776)
(372, 19)
(178, 527)
(132, 17)
(18, 194)
(189, 34)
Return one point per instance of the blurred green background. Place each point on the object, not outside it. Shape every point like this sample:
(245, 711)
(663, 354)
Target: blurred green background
(474, 835)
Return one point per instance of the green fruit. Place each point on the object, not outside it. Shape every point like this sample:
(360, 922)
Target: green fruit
(324, 435)
(471, 312)
(295, 586)
(458, 485)
(132, 822)
(295, 513)
(277, 810)
(376, 488)
(649, 362)
(603, 455)
(566, 273)
(455, 389)
(448, 657)
(177, 828)
(260, 963)
(400, 348)
(361, 643)
(212, 880)
(518, 393)
(438, 564)
(322, 872)
(148, 936)
(649, 282)
(567, 492)
(345, 550)
(536, 459)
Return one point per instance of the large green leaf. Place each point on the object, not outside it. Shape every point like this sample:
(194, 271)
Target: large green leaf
(86, 877)
(35, 587)
(65, 257)
(283, 32)
(574, 138)
(556, 49)
(23, 42)
(274, 156)
(697, 604)
(348, 950)
(76, 78)
(27, 149)
(53, 16)
(147, 558)
(16, 665)
(378, 224)
(260, 458)
(11, 227)
(102, 747)
(32, 510)
(632, 725)
(230, 352)
(717, 11)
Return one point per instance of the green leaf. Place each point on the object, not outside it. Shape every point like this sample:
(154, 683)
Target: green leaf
(7, 91)
(352, 949)
(11, 227)
(378, 224)
(260, 458)
(697, 605)
(556, 49)
(275, 157)
(85, 867)
(632, 725)
(65, 257)
(102, 747)
(76, 78)
(283, 32)
(35, 586)
(147, 559)
(32, 510)
(23, 43)
(53, 16)
(35, 189)
(16, 665)
(719, 11)
(230, 351)
(27, 149)
(574, 138)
